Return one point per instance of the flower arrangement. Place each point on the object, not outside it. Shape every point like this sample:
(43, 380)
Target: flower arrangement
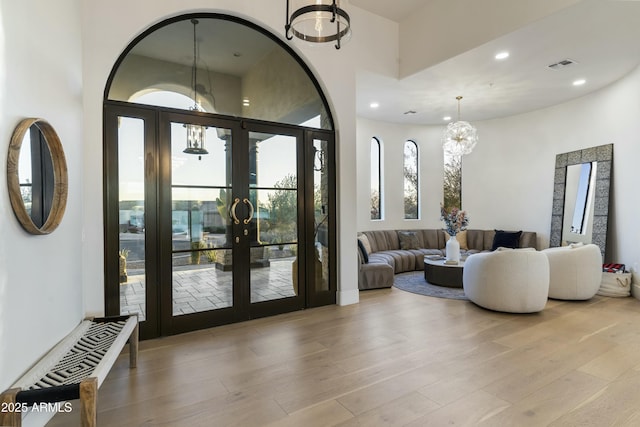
(455, 220)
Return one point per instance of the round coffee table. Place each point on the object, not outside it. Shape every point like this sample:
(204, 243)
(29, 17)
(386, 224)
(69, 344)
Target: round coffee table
(438, 273)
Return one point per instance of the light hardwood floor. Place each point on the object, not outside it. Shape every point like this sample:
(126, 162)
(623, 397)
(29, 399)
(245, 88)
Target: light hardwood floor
(393, 359)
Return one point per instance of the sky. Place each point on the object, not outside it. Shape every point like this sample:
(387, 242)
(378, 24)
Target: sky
(276, 155)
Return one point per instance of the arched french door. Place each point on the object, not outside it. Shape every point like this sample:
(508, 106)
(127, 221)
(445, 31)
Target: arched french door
(242, 229)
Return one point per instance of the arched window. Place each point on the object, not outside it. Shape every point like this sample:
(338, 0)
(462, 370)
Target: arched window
(376, 179)
(410, 172)
(225, 66)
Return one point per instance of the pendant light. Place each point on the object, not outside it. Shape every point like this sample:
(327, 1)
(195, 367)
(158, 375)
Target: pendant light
(460, 137)
(196, 134)
(323, 21)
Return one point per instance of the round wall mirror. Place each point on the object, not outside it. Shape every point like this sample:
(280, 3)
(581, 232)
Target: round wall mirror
(37, 176)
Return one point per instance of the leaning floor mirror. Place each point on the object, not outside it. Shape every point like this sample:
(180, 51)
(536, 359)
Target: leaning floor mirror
(581, 197)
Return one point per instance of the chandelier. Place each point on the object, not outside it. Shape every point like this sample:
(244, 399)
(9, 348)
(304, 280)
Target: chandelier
(460, 137)
(195, 133)
(322, 22)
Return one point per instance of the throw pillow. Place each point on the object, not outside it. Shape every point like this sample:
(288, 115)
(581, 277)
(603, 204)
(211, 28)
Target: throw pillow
(365, 242)
(363, 252)
(506, 239)
(408, 240)
(461, 237)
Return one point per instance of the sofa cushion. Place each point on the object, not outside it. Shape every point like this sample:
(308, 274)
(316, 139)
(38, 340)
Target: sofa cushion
(430, 238)
(528, 239)
(400, 260)
(487, 239)
(461, 237)
(363, 252)
(383, 240)
(408, 240)
(375, 276)
(364, 241)
(506, 239)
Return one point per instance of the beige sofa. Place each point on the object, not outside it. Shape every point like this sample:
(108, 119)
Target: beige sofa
(397, 251)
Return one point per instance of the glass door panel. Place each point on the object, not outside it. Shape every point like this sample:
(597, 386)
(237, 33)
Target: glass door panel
(274, 195)
(321, 249)
(321, 202)
(201, 233)
(131, 203)
(242, 230)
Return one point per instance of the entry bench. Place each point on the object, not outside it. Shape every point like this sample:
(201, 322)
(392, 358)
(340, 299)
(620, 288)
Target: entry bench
(73, 369)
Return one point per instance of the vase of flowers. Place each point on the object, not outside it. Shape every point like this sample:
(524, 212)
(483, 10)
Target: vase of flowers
(455, 221)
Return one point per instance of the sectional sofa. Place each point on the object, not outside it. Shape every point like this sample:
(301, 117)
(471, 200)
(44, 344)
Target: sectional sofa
(384, 253)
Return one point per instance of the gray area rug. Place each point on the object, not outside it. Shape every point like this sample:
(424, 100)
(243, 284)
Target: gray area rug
(414, 282)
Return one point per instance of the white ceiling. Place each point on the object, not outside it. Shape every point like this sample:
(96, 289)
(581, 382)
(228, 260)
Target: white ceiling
(216, 50)
(395, 10)
(601, 36)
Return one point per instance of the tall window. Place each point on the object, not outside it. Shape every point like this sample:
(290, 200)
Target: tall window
(410, 180)
(452, 181)
(376, 188)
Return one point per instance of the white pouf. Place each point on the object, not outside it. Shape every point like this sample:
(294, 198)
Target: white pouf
(512, 280)
(575, 271)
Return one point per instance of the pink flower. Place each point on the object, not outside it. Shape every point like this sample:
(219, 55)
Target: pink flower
(455, 220)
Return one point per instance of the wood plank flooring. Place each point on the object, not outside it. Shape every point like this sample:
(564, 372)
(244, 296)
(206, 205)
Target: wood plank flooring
(393, 359)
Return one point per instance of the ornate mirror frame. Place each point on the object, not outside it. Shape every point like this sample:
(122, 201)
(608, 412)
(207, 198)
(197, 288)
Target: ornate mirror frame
(602, 154)
(60, 186)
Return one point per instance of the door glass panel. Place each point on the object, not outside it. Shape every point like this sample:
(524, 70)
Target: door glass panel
(320, 265)
(131, 214)
(200, 224)
(273, 231)
(267, 82)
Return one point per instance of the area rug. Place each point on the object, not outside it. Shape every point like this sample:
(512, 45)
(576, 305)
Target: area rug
(414, 282)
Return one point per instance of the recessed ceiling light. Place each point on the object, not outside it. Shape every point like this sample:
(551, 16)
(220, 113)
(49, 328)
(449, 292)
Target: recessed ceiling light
(446, 118)
(579, 82)
(502, 55)
(374, 105)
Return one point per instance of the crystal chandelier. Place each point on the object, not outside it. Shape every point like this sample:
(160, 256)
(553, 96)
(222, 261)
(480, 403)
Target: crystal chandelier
(195, 133)
(321, 22)
(460, 137)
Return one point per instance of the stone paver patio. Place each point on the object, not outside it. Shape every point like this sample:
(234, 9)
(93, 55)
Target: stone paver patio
(203, 288)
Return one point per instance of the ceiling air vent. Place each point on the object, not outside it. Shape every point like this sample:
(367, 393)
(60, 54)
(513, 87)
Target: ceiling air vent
(562, 64)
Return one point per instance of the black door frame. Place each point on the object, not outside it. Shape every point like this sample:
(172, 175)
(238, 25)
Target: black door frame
(158, 196)
(112, 111)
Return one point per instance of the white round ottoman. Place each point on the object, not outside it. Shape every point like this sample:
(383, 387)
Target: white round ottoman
(509, 280)
(575, 271)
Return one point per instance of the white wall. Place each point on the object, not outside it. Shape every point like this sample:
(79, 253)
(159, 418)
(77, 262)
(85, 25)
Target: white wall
(508, 179)
(392, 138)
(40, 276)
(531, 141)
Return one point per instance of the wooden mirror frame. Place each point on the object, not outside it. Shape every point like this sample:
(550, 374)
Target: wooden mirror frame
(60, 188)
